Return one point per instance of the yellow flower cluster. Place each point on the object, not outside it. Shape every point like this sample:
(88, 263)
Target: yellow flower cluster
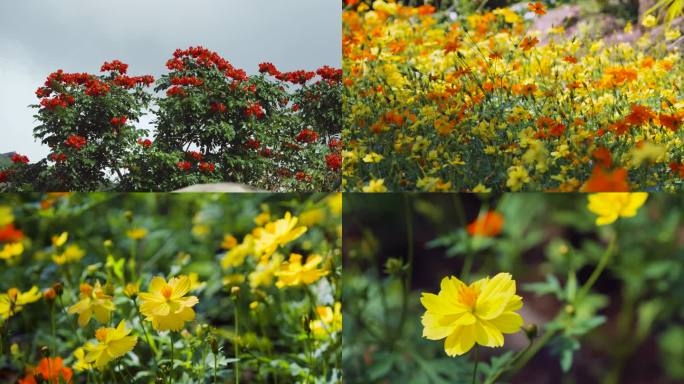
(485, 103)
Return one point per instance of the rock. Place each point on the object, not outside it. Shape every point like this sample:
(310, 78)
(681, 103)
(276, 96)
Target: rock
(561, 16)
(220, 188)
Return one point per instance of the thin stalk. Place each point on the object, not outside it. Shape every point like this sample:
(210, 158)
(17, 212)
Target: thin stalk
(215, 366)
(172, 357)
(477, 361)
(235, 343)
(533, 349)
(408, 275)
(147, 336)
(603, 263)
(54, 332)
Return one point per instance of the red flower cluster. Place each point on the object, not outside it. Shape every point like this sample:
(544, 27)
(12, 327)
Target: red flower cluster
(60, 77)
(206, 58)
(96, 87)
(333, 161)
(207, 167)
(297, 77)
(253, 144)
(301, 176)
(115, 66)
(255, 110)
(184, 165)
(75, 141)
(295, 107)
(58, 101)
(196, 155)
(58, 157)
(145, 143)
(119, 121)
(20, 159)
(173, 91)
(218, 107)
(4, 176)
(329, 73)
(336, 145)
(266, 152)
(268, 68)
(307, 136)
(9, 234)
(130, 82)
(188, 81)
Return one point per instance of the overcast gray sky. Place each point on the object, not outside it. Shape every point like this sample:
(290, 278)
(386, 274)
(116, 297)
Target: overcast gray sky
(38, 37)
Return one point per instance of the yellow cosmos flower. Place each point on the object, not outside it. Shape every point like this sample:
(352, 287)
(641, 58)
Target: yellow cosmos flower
(517, 177)
(373, 158)
(235, 257)
(377, 185)
(6, 215)
(61, 239)
(467, 314)
(165, 304)
(136, 233)
(11, 250)
(112, 343)
(672, 34)
(72, 254)
(94, 301)
(81, 364)
(329, 321)
(612, 205)
(14, 301)
(264, 271)
(293, 272)
(276, 234)
(649, 21)
(229, 241)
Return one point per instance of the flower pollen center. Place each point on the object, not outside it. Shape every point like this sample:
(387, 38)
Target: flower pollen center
(468, 296)
(166, 292)
(101, 334)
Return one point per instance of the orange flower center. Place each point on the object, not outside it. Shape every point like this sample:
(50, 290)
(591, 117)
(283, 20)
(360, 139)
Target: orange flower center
(167, 291)
(13, 293)
(468, 296)
(101, 334)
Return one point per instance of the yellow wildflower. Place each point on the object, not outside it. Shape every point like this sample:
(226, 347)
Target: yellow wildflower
(235, 257)
(264, 271)
(517, 177)
(649, 21)
(6, 215)
(293, 272)
(14, 301)
(329, 321)
(61, 239)
(612, 205)
(165, 304)
(81, 364)
(112, 343)
(377, 185)
(136, 233)
(467, 314)
(672, 34)
(373, 158)
(229, 241)
(276, 234)
(72, 254)
(11, 250)
(94, 301)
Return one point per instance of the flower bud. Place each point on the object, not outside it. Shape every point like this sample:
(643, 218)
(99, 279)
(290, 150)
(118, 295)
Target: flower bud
(531, 331)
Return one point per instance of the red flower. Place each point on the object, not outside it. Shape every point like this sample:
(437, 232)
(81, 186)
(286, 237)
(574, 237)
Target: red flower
(335, 145)
(145, 143)
(184, 165)
(188, 81)
(58, 157)
(115, 66)
(130, 82)
(9, 234)
(253, 144)
(96, 88)
(329, 73)
(306, 136)
(333, 161)
(297, 77)
(640, 115)
(4, 176)
(118, 121)
(268, 68)
(537, 8)
(673, 122)
(301, 176)
(173, 91)
(62, 101)
(266, 152)
(218, 107)
(17, 158)
(75, 141)
(295, 107)
(255, 110)
(196, 155)
(487, 225)
(207, 167)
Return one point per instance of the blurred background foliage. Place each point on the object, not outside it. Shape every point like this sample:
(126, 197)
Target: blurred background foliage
(627, 330)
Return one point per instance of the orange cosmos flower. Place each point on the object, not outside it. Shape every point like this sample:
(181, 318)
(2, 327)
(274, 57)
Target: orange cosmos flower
(603, 156)
(53, 371)
(537, 8)
(487, 225)
(528, 43)
(640, 115)
(570, 59)
(601, 181)
(673, 122)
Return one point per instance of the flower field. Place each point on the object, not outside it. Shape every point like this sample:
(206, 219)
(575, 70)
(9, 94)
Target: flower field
(520, 288)
(485, 101)
(152, 288)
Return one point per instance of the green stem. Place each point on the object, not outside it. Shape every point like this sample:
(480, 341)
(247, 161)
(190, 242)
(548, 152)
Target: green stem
(215, 366)
(172, 357)
(147, 336)
(533, 349)
(408, 275)
(603, 263)
(235, 343)
(477, 361)
(54, 333)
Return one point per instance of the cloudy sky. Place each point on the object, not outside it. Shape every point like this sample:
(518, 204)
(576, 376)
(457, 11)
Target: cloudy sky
(38, 37)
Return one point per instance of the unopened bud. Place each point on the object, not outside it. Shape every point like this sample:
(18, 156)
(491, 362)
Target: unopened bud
(531, 331)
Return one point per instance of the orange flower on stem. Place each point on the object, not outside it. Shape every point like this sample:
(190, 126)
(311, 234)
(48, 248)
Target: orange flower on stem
(537, 8)
(487, 225)
(603, 156)
(604, 181)
(528, 43)
(673, 122)
(640, 115)
(53, 371)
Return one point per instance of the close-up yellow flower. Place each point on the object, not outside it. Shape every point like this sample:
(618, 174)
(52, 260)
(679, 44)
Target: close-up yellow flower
(112, 343)
(166, 304)
(11, 250)
(328, 321)
(276, 234)
(136, 233)
(61, 239)
(293, 272)
(14, 301)
(94, 301)
(72, 254)
(612, 205)
(467, 314)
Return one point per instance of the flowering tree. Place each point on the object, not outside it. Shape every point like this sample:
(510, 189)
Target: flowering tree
(273, 130)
